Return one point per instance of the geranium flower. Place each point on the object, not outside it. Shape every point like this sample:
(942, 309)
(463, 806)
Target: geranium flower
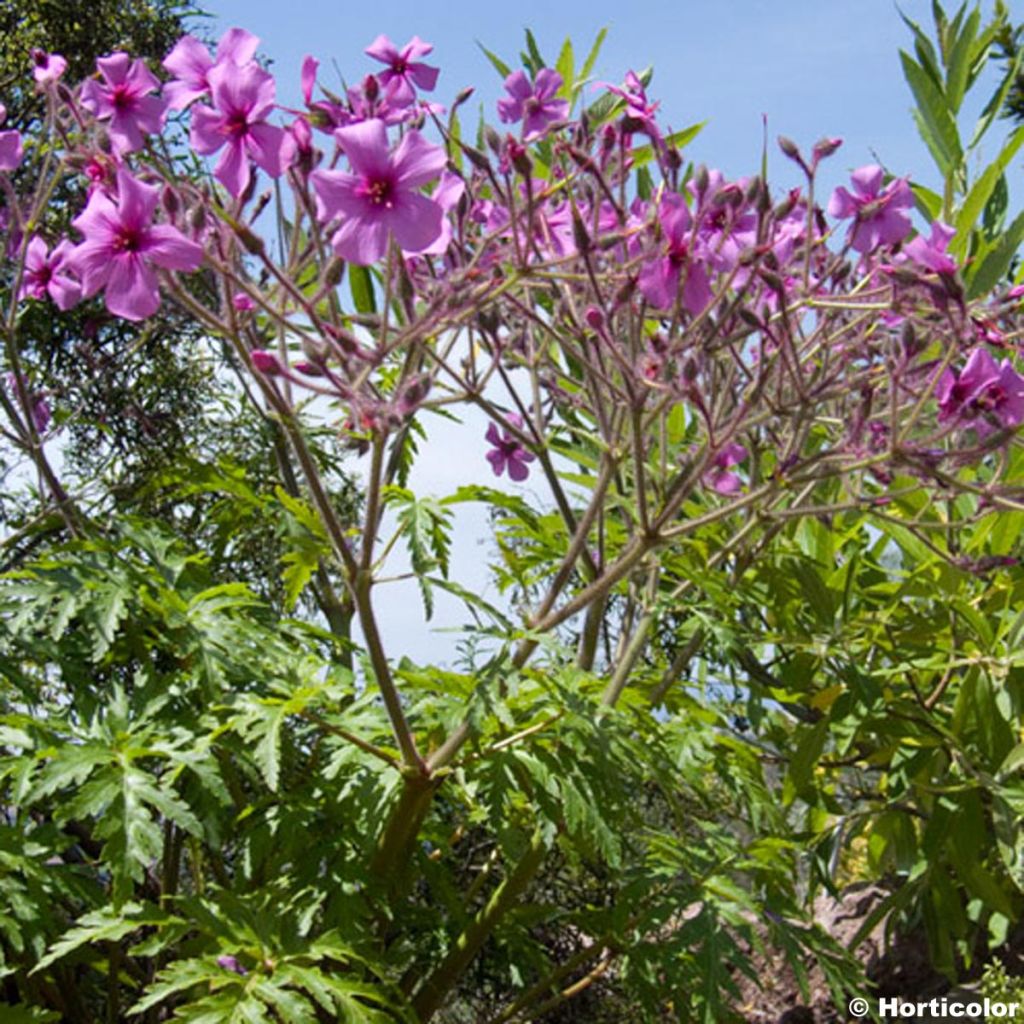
(190, 63)
(10, 145)
(380, 197)
(659, 279)
(123, 98)
(507, 452)
(931, 253)
(985, 388)
(533, 103)
(877, 212)
(47, 67)
(404, 73)
(719, 477)
(243, 97)
(46, 274)
(120, 245)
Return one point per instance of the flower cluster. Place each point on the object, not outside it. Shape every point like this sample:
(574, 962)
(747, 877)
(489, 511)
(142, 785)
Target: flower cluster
(657, 289)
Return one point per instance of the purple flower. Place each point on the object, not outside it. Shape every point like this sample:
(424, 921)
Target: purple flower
(307, 77)
(533, 104)
(932, 253)
(120, 245)
(659, 279)
(243, 97)
(47, 67)
(878, 219)
(10, 145)
(993, 391)
(230, 963)
(380, 198)
(719, 477)
(404, 72)
(124, 98)
(46, 273)
(638, 108)
(190, 63)
(507, 452)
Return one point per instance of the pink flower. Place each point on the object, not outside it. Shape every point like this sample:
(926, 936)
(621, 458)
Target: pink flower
(10, 145)
(190, 63)
(46, 274)
(659, 279)
(404, 73)
(120, 245)
(719, 477)
(243, 97)
(507, 452)
(638, 108)
(878, 219)
(380, 198)
(533, 103)
(47, 67)
(307, 77)
(993, 391)
(932, 253)
(124, 98)
(450, 189)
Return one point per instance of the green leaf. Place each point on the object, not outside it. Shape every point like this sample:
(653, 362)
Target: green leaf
(566, 67)
(360, 283)
(595, 49)
(536, 61)
(961, 59)
(997, 101)
(106, 925)
(924, 49)
(981, 191)
(994, 266)
(500, 66)
(938, 129)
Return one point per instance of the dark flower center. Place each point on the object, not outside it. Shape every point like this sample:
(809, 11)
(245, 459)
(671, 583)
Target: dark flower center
(122, 97)
(399, 65)
(379, 192)
(236, 125)
(127, 240)
(991, 399)
(678, 253)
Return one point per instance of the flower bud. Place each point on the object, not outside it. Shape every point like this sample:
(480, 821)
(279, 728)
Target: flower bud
(580, 234)
(315, 351)
(825, 148)
(785, 208)
(476, 158)
(249, 239)
(519, 158)
(266, 362)
(462, 96)
(414, 394)
(790, 149)
(334, 272)
(242, 302)
(493, 139)
(371, 88)
(169, 200)
(701, 180)
(594, 317)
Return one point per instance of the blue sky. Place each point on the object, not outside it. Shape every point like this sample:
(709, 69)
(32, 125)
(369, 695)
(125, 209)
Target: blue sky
(814, 67)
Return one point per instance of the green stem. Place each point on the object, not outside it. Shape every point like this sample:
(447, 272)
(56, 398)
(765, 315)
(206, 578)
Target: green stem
(436, 987)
